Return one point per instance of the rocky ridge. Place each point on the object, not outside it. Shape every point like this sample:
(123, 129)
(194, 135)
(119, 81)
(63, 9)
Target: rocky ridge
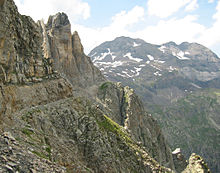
(46, 126)
(125, 108)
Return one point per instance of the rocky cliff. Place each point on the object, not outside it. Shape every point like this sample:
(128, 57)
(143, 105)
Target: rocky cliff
(21, 53)
(46, 126)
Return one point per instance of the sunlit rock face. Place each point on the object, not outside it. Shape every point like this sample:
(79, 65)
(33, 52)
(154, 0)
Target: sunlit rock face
(67, 53)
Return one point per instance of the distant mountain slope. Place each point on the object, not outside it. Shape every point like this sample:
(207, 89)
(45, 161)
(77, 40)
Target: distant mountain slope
(192, 60)
(164, 76)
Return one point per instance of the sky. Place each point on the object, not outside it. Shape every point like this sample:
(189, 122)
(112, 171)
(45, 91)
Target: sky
(155, 21)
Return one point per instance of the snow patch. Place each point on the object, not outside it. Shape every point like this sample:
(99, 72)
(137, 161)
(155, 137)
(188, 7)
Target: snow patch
(157, 73)
(176, 151)
(155, 67)
(137, 71)
(132, 58)
(109, 64)
(150, 57)
(162, 49)
(171, 69)
(136, 45)
(129, 76)
(180, 55)
(197, 86)
(93, 54)
(119, 74)
(142, 65)
(103, 55)
(161, 62)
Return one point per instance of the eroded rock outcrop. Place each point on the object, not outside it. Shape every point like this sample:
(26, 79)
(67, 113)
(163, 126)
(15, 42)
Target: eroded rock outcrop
(26, 75)
(196, 165)
(67, 53)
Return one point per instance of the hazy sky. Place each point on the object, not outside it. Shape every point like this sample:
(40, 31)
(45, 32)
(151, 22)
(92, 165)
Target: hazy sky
(155, 21)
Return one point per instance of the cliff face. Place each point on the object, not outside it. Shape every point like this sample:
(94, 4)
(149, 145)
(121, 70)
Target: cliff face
(21, 53)
(45, 127)
(26, 76)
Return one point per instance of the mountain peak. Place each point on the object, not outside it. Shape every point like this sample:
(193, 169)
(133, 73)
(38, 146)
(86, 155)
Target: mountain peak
(122, 37)
(58, 20)
(171, 43)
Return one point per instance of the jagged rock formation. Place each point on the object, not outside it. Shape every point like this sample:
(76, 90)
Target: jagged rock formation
(174, 83)
(67, 53)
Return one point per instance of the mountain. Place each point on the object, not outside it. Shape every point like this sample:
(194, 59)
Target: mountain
(58, 113)
(179, 86)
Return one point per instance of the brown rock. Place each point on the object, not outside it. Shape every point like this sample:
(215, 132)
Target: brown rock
(2, 2)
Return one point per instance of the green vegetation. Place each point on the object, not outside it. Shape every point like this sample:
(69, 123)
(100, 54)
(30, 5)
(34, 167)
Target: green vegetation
(113, 127)
(27, 132)
(42, 155)
(105, 85)
(48, 150)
